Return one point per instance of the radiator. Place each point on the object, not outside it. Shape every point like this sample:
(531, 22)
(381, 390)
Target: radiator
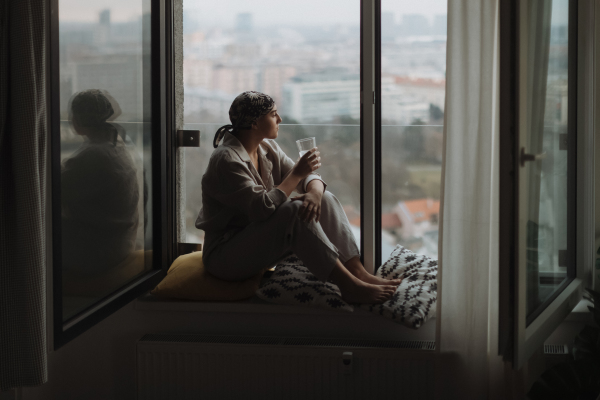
(183, 367)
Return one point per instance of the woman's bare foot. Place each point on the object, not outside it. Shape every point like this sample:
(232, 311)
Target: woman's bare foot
(375, 280)
(354, 290)
(367, 293)
(358, 270)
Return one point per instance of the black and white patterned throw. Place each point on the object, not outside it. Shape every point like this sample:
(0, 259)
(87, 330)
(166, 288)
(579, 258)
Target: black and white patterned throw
(413, 303)
(415, 299)
(293, 283)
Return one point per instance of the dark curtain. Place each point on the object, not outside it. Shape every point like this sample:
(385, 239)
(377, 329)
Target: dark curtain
(23, 136)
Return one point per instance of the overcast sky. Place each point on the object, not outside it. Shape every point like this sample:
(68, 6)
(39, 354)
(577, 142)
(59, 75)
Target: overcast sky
(267, 12)
(264, 12)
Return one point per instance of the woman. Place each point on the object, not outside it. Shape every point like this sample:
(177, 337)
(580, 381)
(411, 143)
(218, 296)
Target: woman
(99, 190)
(249, 220)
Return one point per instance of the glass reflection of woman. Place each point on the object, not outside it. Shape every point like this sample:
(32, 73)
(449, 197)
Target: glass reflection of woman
(250, 221)
(99, 190)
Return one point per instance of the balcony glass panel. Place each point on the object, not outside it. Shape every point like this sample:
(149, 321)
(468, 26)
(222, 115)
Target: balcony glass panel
(306, 55)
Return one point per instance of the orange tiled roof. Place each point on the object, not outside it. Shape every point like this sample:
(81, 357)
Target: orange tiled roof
(421, 209)
(405, 80)
(388, 221)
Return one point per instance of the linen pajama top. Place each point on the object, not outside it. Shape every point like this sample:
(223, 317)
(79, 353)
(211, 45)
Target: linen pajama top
(234, 194)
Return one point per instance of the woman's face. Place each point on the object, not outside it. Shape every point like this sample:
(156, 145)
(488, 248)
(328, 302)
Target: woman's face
(268, 124)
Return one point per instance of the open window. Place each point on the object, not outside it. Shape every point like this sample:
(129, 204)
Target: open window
(307, 60)
(545, 204)
(365, 78)
(108, 140)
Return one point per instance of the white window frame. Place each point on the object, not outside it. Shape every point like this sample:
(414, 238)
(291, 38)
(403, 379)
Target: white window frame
(528, 339)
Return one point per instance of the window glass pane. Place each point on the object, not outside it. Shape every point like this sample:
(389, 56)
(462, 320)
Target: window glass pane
(413, 70)
(306, 55)
(105, 147)
(544, 132)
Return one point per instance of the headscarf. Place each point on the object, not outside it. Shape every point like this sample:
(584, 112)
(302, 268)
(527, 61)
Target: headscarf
(95, 109)
(244, 111)
(91, 108)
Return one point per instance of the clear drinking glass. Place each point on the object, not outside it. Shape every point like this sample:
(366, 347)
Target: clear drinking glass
(304, 145)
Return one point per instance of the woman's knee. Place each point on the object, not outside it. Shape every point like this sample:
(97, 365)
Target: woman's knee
(328, 196)
(329, 200)
(289, 209)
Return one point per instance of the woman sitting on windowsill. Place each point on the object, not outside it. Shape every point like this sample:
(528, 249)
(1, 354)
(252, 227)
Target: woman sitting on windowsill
(250, 222)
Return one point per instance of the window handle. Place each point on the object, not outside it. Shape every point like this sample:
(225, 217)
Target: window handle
(188, 138)
(530, 157)
(187, 248)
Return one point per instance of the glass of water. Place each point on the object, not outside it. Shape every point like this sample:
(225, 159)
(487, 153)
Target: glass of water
(304, 145)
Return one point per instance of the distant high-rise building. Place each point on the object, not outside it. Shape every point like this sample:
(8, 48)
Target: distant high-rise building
(102, 33)
(272, 79)
(118, 74)
(198, 73)
(321, 97)
(440, 25)
(243, 23)
(105, 17)
(234, 79)
(415, 25)
(213, 103)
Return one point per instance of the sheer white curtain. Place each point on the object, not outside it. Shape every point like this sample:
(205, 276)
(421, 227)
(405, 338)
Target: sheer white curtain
(468, 297)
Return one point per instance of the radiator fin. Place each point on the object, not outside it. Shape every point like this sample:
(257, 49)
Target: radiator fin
(173, 338)
(312, 342)
(556, 349)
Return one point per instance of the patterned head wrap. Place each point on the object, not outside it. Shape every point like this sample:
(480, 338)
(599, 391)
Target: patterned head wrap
(95, 109)
(244, 111)
(91, 108)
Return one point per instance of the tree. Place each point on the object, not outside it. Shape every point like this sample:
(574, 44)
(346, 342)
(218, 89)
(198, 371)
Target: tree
(435, 113)
(414, 139)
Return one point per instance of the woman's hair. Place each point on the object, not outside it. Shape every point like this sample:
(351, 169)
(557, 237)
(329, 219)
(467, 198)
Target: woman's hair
(244, 111)
(91, 109)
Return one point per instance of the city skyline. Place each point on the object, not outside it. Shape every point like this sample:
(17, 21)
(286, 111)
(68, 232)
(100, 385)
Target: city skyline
(313, 72)
(265, 13)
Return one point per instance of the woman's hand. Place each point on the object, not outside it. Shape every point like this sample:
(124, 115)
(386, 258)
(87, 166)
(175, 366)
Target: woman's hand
(311, 206)
(308, 163)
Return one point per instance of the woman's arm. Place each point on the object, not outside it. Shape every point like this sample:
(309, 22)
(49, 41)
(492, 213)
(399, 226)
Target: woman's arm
(316, 187)
(304, 167)
(287, 165)
(311, 201)
(290, 183)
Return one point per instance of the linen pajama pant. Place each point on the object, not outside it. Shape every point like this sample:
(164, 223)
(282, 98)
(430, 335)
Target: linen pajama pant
(261, 244)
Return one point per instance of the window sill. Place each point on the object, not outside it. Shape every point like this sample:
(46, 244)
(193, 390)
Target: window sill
(257, 317)
(253, 305)
(581, 313)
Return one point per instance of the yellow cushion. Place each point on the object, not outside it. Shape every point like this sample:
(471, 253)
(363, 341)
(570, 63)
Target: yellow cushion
(187, 279)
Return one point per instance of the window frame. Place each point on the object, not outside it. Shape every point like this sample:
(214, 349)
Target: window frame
(161, 89)
(370, 134)
(165, 153)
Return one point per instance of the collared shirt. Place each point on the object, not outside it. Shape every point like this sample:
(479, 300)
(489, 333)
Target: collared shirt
(234, 194)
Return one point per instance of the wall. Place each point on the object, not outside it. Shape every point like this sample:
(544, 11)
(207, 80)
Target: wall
(8, 395)
(100, 364)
